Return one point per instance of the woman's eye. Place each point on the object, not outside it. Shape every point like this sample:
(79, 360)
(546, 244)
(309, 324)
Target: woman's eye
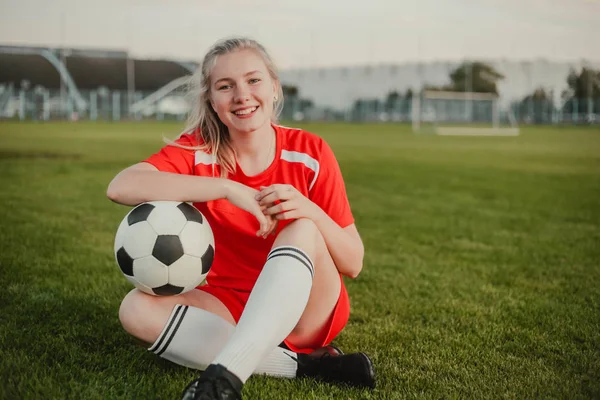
(224, 87)
(254, 80)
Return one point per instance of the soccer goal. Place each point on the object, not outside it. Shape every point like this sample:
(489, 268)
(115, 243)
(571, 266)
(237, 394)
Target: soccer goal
(462, 113)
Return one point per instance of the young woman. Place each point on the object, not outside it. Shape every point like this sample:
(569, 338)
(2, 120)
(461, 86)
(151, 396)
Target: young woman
(284, 236)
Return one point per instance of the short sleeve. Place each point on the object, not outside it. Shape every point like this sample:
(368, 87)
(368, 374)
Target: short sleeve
(172, 158)
(329, 190)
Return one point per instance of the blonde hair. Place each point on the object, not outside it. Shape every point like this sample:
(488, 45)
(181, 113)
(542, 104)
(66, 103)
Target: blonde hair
(203, 121)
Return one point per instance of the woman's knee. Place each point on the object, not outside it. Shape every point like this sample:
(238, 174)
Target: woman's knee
(138, 315)
(303, 226)
(305, 234)
(128, 309)
(144, 316)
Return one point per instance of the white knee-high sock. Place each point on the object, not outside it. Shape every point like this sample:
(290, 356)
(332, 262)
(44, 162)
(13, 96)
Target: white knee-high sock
(193, 337)
(274, 307)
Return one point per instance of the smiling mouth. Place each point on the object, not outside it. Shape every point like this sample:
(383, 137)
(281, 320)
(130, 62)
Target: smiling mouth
(245, 111)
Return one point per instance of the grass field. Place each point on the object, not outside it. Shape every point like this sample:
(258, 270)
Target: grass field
(481, 276)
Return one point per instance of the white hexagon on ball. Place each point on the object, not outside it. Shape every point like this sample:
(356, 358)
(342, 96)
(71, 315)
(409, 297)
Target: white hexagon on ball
(187, 271)
(166, 218)
(194, 238)
(150, 272)
(139, 285)
(139, 240)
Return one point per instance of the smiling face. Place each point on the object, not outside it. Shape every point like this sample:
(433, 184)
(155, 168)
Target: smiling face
(242, 91)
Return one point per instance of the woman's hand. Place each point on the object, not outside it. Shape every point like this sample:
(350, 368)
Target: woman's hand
(286, 202)
(243, 196)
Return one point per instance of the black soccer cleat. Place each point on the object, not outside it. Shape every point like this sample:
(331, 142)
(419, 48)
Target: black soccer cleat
(351, 369)
(215, 383)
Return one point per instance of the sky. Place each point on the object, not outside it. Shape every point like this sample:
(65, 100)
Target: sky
(315, 33)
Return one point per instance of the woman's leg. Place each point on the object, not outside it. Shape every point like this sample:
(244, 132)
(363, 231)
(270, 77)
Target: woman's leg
(324, 293)
(278, 302)
(191, 329)
(144, 316)
(146, 325)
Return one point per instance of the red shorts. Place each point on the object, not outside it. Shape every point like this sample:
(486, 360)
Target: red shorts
(235, 301)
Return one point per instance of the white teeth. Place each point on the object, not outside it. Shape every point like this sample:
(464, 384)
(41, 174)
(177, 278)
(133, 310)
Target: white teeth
(246, 111)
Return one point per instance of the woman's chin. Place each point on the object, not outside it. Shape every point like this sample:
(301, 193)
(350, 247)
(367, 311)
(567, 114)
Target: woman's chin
(248, 126)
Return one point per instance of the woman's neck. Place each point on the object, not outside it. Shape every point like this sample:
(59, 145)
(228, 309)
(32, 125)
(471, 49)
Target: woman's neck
(254, 151)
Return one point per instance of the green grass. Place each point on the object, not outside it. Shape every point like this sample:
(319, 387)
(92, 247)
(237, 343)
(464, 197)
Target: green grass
(481, 276)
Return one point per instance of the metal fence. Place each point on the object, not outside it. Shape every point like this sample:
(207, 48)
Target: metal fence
(40, 104)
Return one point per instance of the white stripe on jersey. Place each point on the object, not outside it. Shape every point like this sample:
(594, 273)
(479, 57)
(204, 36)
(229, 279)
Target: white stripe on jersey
(204, 158)
(308, 161)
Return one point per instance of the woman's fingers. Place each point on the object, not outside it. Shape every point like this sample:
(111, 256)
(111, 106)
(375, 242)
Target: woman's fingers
(264, 191)
(277, 208)
(270, 194)
(273, 227)
(292, 214)
(270, 198)
(262, 220)
(276, 203)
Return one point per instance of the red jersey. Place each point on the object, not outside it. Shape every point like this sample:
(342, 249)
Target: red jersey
(302, 159)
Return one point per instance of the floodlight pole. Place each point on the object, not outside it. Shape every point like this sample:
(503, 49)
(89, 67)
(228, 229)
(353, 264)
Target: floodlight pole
(415, 111)
(62, 59)
(416, 98)
(495, 119)
(529, 66)
(93, 105)
(116, 105)
(130, 65)
(22, 103)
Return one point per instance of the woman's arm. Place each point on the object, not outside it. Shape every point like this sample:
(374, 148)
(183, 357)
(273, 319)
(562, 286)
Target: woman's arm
(143, 182)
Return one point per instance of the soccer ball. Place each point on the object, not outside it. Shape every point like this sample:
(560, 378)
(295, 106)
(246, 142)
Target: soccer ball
(164, 248)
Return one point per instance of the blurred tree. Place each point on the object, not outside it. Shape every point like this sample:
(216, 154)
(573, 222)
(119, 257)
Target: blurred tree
(306, 104)
(358, 110)
(370, 108)
(583, 88)
(290, 91)
(294, 103)
(407, 103)
(584, 84)
(366, 109)
(475, 77)
(392, 101)
(536, 107)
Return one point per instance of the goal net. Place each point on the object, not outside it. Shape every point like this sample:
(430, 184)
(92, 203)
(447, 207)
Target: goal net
(462, 113)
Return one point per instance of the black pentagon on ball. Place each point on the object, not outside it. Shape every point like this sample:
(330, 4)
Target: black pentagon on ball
(167, 249)
(190, 212)
(140, 213)
(207, 259)
(167, 290)
(125, 262)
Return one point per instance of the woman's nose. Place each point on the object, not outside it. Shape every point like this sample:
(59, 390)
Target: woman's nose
(242, 94)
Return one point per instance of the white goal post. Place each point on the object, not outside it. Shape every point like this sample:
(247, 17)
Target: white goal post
(461, 113)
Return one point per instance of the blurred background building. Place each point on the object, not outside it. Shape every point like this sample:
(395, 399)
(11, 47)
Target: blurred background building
(52, 83)
(508, 61)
